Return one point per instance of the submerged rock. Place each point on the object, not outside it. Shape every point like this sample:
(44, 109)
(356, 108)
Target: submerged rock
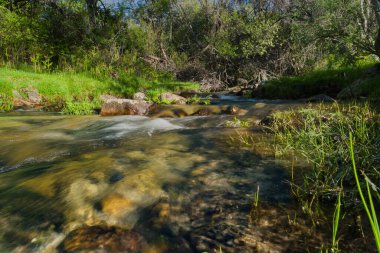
(112, 107)
(203, 112)
(116, 205)
(172, 98)
(110, 239)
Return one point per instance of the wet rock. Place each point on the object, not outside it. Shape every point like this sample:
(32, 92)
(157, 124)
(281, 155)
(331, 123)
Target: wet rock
(320, 98)
(114, 107)
(139, 96)
(172, 98)
(232, 109)
(203, 112)
(101, 238)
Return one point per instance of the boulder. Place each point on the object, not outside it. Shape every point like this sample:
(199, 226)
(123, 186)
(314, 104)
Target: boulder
(139, 96)
(203, 112)
(172, 98)
(103, 238)
(31, 99)
(112, 107)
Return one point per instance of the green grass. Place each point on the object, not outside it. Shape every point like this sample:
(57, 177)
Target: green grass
(78, 93)
(329, 82)
(371, 212)
(127, 85)
(71, 93)
(320, 134)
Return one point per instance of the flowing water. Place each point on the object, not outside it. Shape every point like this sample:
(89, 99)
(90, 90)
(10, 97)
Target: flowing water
(180, 184)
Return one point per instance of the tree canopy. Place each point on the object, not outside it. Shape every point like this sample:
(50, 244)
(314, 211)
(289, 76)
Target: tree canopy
(225, 39)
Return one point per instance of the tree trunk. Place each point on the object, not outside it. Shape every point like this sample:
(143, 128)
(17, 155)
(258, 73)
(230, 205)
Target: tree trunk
(376, 7)
(377, 43)
(92, 10)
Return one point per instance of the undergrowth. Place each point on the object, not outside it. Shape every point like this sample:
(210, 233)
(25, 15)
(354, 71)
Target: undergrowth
(329, 82)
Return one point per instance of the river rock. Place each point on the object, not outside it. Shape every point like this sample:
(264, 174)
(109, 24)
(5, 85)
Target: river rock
(232, 109)
(139, 96)
(110, 239)
(172, 98)
(114, 107)
(203, 112)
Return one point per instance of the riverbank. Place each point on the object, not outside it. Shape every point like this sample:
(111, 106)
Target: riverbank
(79, 94)
(355, 82)
(73, 93)
(334, 139)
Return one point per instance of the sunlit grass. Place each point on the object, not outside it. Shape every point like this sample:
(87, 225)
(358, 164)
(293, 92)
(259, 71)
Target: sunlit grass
(71, 93)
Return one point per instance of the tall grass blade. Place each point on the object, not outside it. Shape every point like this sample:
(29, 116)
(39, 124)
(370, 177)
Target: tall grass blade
(371, 213)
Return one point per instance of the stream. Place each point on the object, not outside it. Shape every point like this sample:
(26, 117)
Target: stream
(141, 184)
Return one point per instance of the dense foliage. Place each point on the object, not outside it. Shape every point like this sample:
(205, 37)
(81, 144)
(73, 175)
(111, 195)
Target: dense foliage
(189, 39)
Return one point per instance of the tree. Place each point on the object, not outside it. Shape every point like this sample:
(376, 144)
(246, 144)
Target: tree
(376, 7)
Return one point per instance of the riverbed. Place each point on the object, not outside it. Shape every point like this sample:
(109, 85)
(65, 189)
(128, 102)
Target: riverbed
(82, 183)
